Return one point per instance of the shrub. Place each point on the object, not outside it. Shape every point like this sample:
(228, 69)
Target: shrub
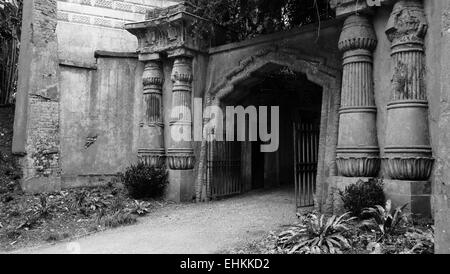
(385, 220)
(316, 235)
(361, 195)
(144, 181)
(140, 208)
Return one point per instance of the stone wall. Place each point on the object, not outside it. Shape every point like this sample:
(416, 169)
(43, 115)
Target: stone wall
(442, 176)
(85, 26)
(75, 112)
(99, 108)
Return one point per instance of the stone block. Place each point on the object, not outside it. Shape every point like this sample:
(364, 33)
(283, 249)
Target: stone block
(180, 186)
(417, 194)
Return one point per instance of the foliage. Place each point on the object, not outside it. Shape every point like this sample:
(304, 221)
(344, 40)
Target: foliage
(144, 181)
(317, 235)
(10, 28)
(361, 195)
(384, 220)
(10, 18)
(244, 19)
(117, 219)
(27, 219)
(140, 208)
(423, 241)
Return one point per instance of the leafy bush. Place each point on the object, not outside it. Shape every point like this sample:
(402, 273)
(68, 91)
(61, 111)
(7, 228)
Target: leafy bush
(317, 235)
(361, 195)
(144, 181)
(384, 220)
(140, 208)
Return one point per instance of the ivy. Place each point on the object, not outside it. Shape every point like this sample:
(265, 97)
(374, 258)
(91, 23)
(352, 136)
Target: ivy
(244, 19)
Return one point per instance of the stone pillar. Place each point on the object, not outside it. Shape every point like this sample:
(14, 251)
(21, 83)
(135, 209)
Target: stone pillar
(151, 132)
(357, 151)
(181, 154)
(36, 124)
(408, 154)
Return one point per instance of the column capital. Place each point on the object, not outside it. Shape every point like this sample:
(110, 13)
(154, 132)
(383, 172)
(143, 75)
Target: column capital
(153, 75)
(357, 33)
(166, 29)
(407, 23)
(182, 70)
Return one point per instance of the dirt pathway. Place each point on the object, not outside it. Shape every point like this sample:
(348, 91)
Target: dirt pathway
(191, 228)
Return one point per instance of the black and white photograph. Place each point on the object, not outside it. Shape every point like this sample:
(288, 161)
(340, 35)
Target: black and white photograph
(247, 130)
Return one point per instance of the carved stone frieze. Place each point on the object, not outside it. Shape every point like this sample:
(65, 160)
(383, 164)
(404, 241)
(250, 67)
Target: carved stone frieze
(170, 28)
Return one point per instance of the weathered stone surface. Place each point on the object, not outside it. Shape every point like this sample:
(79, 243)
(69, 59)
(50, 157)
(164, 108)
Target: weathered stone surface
(169, 29)
(181, 154)
(36, 128)
(357, 151)
(416, 194)
(85, 26)
(100, 112)
(151, 134)
(408, 154)
(441, 185)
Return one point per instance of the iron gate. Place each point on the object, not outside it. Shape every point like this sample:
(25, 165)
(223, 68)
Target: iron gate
(306, 147)
(224, 168)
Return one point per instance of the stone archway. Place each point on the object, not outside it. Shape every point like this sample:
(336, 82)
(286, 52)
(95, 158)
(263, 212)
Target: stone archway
(316, 71)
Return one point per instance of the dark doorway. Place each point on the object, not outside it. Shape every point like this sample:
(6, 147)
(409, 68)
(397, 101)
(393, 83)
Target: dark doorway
(300, 103)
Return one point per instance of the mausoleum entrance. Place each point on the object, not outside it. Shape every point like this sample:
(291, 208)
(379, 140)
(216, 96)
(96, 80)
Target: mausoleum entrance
(239, 166)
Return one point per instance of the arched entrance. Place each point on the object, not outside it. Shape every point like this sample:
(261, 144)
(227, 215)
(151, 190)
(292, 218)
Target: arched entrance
(308, 104)
(237, 167)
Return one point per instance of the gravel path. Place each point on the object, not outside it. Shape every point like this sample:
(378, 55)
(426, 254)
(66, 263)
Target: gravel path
(191, 228)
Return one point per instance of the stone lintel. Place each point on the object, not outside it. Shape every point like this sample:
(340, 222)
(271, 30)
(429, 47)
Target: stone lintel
(345, 8)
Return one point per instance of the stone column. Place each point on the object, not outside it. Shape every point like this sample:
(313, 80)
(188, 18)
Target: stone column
(181, 154)
(408, 154)
(357, 151)
(151, 132)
